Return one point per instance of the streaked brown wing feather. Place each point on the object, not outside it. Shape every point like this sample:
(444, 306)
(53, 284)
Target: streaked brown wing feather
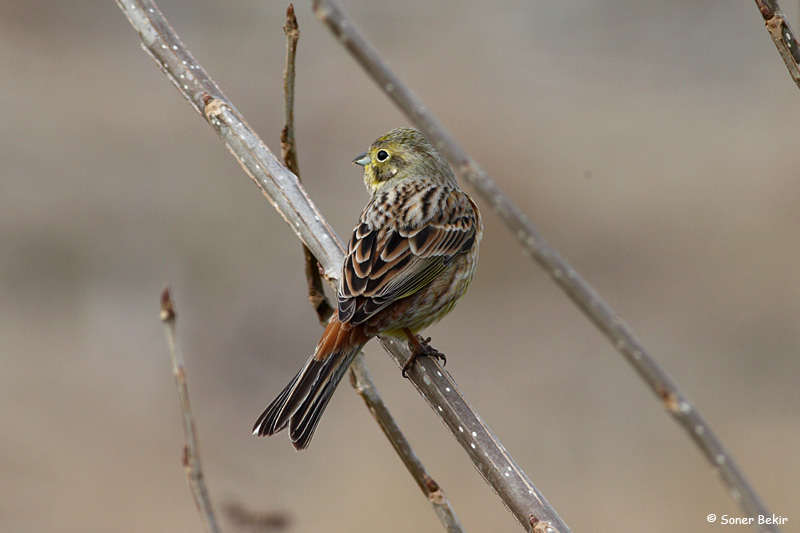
(387, 263)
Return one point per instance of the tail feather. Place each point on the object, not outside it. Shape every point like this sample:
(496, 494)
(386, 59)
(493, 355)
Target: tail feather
(301, 403)
(305, 420)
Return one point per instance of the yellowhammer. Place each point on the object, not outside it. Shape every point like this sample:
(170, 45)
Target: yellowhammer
(410, 260)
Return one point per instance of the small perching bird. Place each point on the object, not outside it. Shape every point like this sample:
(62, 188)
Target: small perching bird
(410, 260)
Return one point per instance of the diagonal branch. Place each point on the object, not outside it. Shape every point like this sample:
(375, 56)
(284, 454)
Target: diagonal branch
(362, 382)
(191, 455)
(534, 244)
(285, 193)
(782, 35)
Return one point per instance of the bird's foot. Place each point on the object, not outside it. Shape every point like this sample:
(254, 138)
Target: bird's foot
(421, 348)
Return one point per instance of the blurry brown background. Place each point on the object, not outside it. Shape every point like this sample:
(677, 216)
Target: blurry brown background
(655, 144)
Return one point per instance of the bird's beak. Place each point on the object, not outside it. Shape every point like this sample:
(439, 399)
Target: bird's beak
(362, 160)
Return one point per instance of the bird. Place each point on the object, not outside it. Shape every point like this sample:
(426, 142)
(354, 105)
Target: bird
(409, 261)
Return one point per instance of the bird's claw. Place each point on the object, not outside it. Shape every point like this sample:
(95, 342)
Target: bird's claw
(422, 349)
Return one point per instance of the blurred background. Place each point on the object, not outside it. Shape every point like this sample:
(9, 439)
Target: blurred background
(655, 145)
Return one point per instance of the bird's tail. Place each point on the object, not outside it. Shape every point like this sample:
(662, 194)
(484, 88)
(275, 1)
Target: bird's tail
(300, 405)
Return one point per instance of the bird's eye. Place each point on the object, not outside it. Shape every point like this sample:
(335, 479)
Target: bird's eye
(382, 155)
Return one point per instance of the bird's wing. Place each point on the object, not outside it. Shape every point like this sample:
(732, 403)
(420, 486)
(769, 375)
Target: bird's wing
(389, 261)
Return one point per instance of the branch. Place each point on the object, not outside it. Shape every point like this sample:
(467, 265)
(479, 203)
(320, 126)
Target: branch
(360, 378)
(534, 244)
(191, 455)
(288, 197)
(277, 183)
(782, 35)
(254, 521)
(316, 294)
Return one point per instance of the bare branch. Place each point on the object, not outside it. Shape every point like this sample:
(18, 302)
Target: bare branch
(782, 35)
(288, 197)
(255, 521)
(361, 380)
(191, 455)
(535, 245)
(277, 183)
(288, 148)
(487, 453)
(316, 293)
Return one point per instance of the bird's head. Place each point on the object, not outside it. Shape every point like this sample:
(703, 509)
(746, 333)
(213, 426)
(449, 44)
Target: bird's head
(401, 154)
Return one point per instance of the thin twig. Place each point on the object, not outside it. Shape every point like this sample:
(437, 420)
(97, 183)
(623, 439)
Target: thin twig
(360, 378)
(782, 35)
(535, 245)
(191, 455)
(255, 521)
(288, 197)
(316, 293)
(362, 382)
(288, 147)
